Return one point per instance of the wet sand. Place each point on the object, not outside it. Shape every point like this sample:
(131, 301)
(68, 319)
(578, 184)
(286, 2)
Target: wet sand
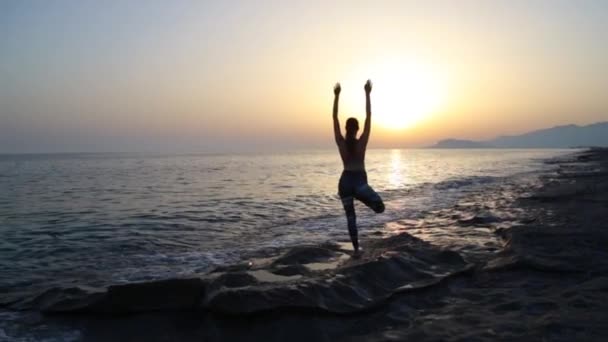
(515, 264)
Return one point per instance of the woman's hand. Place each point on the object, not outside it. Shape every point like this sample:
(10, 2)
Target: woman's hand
(337, 89)
(368, 87)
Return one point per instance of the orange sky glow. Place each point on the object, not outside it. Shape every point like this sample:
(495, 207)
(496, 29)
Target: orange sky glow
(194, 76)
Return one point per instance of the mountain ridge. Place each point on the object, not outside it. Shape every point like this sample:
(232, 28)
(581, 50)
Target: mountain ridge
(563, 136)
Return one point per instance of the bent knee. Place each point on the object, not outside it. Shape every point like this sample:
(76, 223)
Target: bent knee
(379, 208)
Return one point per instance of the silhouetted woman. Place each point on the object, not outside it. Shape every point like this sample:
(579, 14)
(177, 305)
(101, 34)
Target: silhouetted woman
(353, 182)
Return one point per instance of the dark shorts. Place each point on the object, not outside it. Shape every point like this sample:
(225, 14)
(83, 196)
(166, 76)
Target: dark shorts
(353, 185)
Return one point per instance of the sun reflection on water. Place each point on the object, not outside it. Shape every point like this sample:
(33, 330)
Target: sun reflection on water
(395, 177)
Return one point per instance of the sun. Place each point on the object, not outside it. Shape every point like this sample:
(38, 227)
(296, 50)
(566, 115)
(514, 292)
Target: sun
(404, 93)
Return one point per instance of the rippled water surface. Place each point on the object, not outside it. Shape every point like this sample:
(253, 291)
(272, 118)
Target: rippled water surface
(99, 219)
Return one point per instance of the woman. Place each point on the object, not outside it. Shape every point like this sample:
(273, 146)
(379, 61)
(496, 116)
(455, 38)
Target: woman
(353, 182)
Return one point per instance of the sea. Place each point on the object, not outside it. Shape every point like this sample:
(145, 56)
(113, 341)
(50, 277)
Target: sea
(113, 218)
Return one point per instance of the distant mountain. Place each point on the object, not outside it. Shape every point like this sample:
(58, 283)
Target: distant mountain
(556, 137)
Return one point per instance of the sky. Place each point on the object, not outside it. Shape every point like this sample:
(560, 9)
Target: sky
(220, 76)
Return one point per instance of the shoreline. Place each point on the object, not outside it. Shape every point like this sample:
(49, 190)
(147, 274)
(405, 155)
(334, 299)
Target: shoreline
(534, 271)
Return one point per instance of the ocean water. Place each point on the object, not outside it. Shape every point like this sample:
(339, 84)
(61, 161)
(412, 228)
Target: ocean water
(102, 219)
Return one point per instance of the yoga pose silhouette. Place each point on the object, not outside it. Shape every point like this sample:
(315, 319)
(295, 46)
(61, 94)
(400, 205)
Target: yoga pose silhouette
(353, 182)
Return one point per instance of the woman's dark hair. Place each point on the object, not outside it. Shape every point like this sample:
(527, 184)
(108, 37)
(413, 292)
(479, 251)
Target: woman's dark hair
(352, 126)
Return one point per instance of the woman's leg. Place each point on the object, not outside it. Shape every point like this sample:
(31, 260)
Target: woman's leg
(349, 207)
(346, 190)
(370, 198)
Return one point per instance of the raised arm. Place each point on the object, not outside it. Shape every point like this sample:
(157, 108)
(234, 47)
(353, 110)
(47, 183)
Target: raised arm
(368, 113)
(337, 133)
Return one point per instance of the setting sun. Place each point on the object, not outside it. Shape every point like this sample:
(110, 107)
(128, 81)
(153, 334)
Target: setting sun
(404, 92)
(405, 95)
